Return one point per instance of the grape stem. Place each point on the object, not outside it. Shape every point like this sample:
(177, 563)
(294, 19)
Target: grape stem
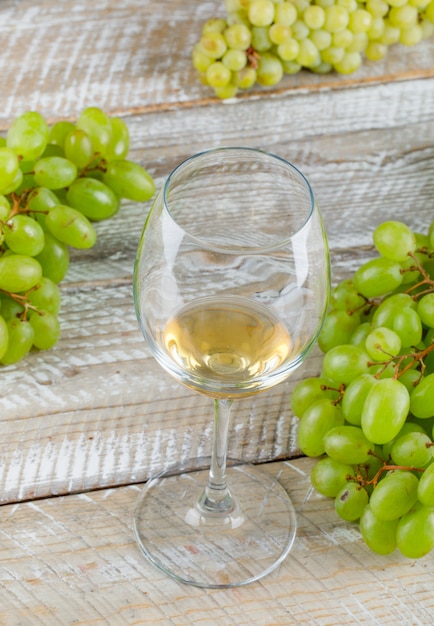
(23, 300)
(426, 279)
(386, 467)
(416, 356)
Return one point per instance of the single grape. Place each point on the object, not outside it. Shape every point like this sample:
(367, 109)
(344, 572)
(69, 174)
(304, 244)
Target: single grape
(78, 148)
(245, 78)
(98, 126)
(54, 259)
(70, 227)
(314, 16)
(270, 70)
(20, 341)
(4, 336)
(59, 131)
(336, 18)
(422, 398)
(328, 476)
(394, 495)
(425, 310)
(218, 75)
(54, 172)
(288, 50)
(234, 60)
(28, 135)
(347, 444)
(46, 329)
(46, 296)
(24, 235)
(15, 184)
(345, 296)
(315, 422)
(415, 532)
(322, 40)
(352, 59)
(9, 168)
(355, 396)
(40, 201)
(308, 391)
(403, 16)
(412, 449)
(425, 488)
(386, 312)
(129, 180)
(279, 33)
(260, 12)
(213, 45)
(385, 410)
(358, 338)
(19, 273)
(285, 13)
(381, 343)
(261, 41)
(308, 55)
(214, 24)
(238, 36)
(350, 502)
(344, 363)
(394, 240)
(93, 198)
(377, 277)
(379, 535)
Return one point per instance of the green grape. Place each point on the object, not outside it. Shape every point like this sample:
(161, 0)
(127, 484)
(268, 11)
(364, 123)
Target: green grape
(378, 8)
(377, 277)
(40, 201)
(355, 396)
(24, 235)
(59, 131)
(337, 329)
(342, 38)
(70, 227)
(322, 39)
(425, 488)
(328, 476)
(28, 135)
(78, 148)
(285, 13)
(315, 422)
(382, 343)
(394, 495)
(376, 29)
(336, 18)
(9, 168)
(15, 184)
(410, 379)
(214, 24)
(261, 41)
(388, 309)
(358, 338)
(379, 535)
(46, 329)
(55, 172)
(98, 126)
(288, 50)
(2, 142)
(350, 62)
(260, 12)
(347, 444)
(279, 33)
(411, 449)
(314, 16)
(407, 428)
(394, 240)
(93, 198)
(5, 208)
(201, 61)
(425, 310)
(4, 336)
(344, 363)
(235, 60)
(390, 35)
(299, 30)
(385, 410)
(46, 296)
(375, 51)
(308, 55)
(226, 91)
(308, 391)
(54, 259)
(407, 325)
(213, 45)
(351, 501)
(360, 21)
(51, 149)
(238, 36)
(269, 71)
(345, 296)
(218, 75)
(415, 532)
(20, 341)
(19, 273)
(403, 16)
(422, 398)
(129, 180)
(10, 308)
(245, 78)
(333, 55)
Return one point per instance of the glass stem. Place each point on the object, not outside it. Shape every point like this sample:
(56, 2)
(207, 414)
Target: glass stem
(216, 497)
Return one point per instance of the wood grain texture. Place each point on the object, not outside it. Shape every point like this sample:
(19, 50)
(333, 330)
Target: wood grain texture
(73, 561)
(96, 410)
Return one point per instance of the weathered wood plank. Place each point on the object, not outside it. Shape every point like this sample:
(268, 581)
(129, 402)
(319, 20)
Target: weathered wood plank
(73, 560)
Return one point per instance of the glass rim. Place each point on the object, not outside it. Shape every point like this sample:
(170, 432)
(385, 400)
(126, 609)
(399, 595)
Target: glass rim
(234, 149)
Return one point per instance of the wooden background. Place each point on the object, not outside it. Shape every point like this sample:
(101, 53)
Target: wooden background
(96, 412)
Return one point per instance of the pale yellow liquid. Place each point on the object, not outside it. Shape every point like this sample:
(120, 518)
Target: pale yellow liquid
(227, 341)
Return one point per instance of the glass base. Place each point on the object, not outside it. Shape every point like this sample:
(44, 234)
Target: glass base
(209, 549)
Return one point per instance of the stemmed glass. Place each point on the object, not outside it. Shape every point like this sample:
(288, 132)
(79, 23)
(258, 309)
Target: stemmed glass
(231, 287)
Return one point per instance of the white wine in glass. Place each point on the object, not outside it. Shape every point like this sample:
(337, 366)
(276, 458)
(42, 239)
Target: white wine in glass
(231, 286)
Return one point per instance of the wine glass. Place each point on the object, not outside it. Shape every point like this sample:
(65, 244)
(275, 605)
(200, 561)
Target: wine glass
(231, 285)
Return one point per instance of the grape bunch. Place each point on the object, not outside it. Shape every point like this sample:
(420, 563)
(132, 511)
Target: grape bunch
(54, 182)
(369, 415)
(261, 40)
